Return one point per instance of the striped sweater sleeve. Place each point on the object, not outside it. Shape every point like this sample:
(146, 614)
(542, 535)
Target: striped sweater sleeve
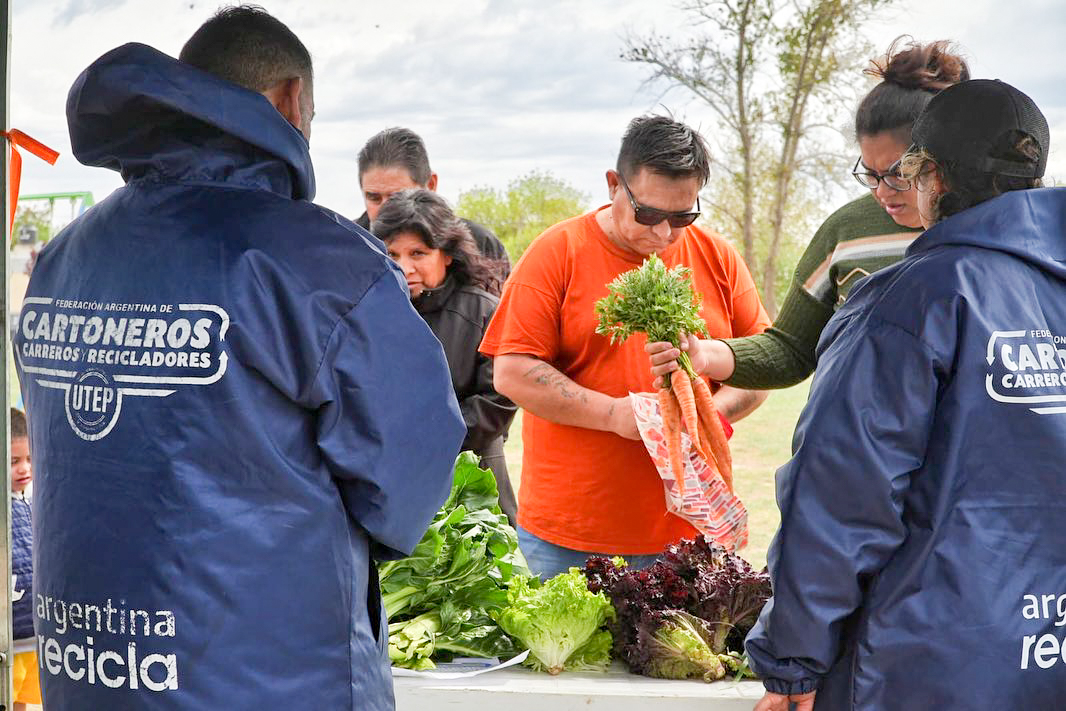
(784, 354)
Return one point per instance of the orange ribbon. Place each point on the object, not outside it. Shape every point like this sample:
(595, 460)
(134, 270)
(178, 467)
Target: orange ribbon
(17, 139)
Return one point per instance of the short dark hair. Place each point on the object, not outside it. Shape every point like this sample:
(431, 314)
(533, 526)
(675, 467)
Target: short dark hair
(400, 147)
(664, 146)
(426, 214)
(247, 46)
(18, 424)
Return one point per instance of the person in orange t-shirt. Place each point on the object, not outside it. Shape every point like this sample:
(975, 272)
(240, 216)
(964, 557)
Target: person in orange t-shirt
(588, 484)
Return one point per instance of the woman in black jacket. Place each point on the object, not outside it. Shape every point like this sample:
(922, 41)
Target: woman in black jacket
(456, 291)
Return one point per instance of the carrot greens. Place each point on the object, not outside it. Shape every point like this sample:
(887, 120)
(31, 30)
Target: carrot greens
(660, 302)
(653, 300)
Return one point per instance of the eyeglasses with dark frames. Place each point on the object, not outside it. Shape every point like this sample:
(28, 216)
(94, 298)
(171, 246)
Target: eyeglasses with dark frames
(651, 216)
(870, 179)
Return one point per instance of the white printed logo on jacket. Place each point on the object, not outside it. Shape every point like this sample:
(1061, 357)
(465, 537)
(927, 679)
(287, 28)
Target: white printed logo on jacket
(99, 353)
(92, 658)
(1027, 367)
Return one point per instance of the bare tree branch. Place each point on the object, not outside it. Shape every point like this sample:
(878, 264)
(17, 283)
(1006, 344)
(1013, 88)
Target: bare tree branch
(771, 72)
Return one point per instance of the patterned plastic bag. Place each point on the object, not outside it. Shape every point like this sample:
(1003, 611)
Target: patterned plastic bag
(707, 504)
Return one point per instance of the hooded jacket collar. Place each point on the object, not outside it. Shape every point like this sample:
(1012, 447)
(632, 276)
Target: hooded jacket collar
(150, 116)
(1029, 224)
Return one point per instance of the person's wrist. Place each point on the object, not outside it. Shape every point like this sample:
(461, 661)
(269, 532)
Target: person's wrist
(612, 419)
(718, 360)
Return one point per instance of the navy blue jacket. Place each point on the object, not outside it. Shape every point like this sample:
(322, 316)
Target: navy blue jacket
(233, 408)
(921, 559)
(22, 568)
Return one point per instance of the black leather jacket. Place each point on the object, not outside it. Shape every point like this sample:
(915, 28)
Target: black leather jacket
(459, 315)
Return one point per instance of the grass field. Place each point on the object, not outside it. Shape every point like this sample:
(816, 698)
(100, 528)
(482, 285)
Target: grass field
(762, 442)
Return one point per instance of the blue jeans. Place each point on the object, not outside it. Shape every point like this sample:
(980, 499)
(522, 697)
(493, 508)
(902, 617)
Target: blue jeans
(548, 560)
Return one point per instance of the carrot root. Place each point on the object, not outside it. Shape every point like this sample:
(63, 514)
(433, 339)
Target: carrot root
(671, 414)
(681, 384)
(716, 440)
(726, 474)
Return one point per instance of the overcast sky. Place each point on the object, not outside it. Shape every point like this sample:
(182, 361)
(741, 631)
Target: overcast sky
(497, 88)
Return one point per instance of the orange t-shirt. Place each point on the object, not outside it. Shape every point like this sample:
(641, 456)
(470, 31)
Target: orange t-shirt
(587, 489)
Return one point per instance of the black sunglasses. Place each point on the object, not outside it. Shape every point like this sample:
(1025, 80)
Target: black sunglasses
(651, 216)
(870, 179)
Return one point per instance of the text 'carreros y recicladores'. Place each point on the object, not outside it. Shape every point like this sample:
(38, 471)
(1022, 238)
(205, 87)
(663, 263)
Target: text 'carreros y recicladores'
(98, 353)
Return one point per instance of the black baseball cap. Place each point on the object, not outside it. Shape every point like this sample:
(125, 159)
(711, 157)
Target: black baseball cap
(964, 123)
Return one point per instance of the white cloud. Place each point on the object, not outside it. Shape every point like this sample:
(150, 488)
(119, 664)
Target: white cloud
(1019, 42)
(496, 87)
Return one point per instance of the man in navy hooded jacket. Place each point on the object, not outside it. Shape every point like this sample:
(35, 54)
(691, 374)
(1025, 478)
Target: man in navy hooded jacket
(233, 406)
(921, 559)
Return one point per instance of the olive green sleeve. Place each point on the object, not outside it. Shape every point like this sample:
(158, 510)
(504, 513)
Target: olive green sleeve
(783, 355)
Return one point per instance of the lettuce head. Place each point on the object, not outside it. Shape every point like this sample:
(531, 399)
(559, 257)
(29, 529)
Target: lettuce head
(561, 622)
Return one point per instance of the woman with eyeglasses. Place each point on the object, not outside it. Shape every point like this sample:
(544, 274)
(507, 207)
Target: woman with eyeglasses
(858, 239)
(921, 558)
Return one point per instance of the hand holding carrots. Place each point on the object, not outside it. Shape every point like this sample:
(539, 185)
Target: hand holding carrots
(712, 358)
(660, 303)
(699, 417)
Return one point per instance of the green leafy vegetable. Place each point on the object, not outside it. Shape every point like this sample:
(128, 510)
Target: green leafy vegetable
(716, 591)
(451, 630)
(439, 598)
(593, 655)
(411, 643)
(653, 300)
(560, 622)
(738, 664)
(678, 647)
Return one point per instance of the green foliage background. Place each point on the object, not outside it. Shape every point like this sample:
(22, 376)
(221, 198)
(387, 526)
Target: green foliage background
(37, 217)
(530, 204)
(722, 201)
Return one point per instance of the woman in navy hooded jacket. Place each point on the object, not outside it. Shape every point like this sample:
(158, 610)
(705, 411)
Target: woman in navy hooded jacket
(233, 406)
(921, 560)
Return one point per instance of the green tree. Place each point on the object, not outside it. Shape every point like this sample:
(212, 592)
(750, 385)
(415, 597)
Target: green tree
(776, 74)
(37, 220)
(725, 211)
(529, 205)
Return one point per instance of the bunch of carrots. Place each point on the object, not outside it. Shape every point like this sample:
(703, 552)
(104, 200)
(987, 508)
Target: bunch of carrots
(688, 401)
(660, 302)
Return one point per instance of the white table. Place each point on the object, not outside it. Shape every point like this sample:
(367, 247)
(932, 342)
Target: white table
(521, 689)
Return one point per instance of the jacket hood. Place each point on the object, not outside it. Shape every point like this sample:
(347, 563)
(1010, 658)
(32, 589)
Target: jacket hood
(1029, 224)
(148, 115)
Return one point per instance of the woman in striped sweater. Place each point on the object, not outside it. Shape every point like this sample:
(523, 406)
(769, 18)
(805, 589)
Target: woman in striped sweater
(858, 239)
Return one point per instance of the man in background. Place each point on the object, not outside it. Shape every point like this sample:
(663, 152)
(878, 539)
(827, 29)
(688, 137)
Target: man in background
(396, 159)
(221, 379)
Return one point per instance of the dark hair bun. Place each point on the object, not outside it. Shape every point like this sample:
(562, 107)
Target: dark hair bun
(930, 67)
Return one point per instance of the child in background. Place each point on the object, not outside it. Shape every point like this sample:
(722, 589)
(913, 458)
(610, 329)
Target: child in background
(24, 673)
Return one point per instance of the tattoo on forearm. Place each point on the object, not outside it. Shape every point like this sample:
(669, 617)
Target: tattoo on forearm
(739, 403)
(544, 374)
